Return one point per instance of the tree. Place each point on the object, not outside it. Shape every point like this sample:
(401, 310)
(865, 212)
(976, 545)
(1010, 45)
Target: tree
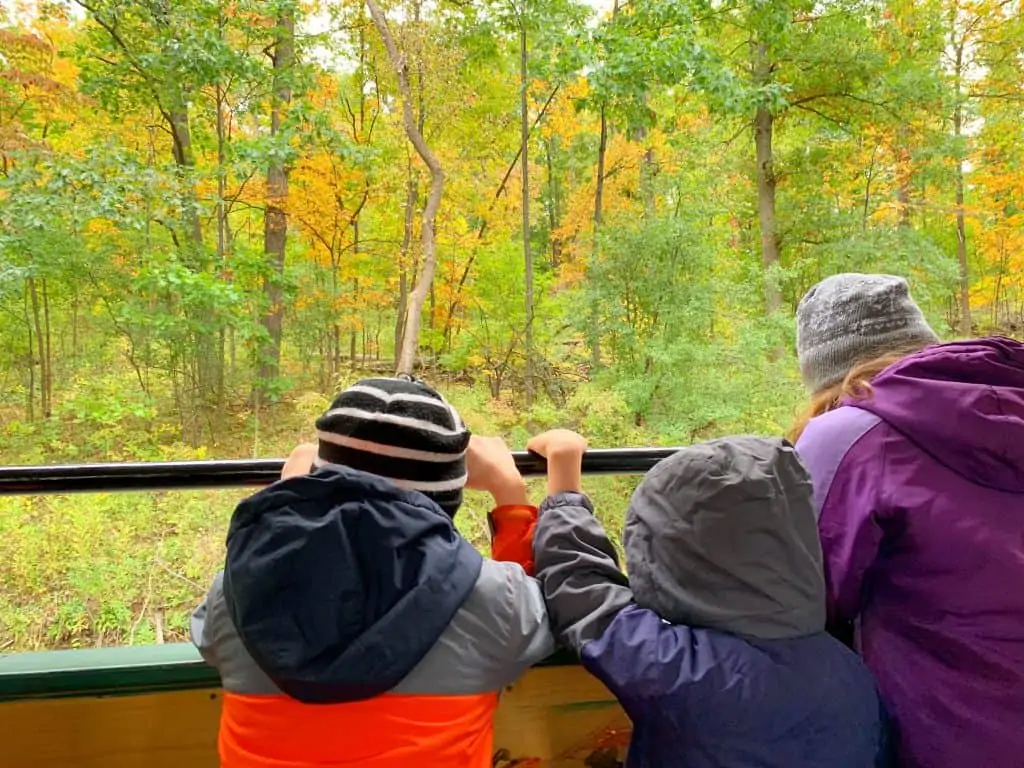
(31, 99)
(524, 159)
(983, 37)
(800, 57)
(960, 32)
(275, 218)
(996, 46)
(406, 356)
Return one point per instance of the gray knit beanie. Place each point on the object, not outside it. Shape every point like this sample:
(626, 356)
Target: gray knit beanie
(850, 319)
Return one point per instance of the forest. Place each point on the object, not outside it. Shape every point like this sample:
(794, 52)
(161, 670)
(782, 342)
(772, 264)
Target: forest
(216, 213)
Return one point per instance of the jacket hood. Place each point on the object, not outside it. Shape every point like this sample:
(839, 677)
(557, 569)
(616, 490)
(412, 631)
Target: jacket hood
(723, 535)
(963, 404)
(339, 583)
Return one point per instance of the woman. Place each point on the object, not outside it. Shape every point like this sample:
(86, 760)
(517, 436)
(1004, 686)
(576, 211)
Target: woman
(916, 450)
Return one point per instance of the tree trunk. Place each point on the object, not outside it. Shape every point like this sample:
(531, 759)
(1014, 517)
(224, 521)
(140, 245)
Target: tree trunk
(999, 283)
(594, 324)
(184, 159)
(202, 349)
(595, 317)
(221, 105)
(602, 148)
(411, 196)
(222, 225)
(47, 353)
(44, 402)
(904, 176)
(221, 182)
(275, 220)
(764, 125)
(31, 391)
(554, 207)
(966, 324)
(646, 167)
(866, 206)
(352, 341)
(355, 293)
(524, 125)
(74, 330)
(432, 314)
(406, 361)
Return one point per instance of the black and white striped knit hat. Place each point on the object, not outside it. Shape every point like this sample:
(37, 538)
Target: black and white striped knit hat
(399, 429)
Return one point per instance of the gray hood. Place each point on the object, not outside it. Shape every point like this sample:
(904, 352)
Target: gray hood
(723, 535)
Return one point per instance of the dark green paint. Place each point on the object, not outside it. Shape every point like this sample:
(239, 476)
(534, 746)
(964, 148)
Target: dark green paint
(119, 672)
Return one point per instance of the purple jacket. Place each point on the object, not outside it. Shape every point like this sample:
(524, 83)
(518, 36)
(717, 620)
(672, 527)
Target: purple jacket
(921, 492)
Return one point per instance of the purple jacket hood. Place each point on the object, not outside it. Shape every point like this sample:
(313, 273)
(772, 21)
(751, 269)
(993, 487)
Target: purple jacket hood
(963, 404)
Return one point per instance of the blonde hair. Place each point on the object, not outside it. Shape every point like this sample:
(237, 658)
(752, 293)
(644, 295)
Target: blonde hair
(855, 386)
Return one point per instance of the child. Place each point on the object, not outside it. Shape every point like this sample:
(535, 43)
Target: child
(352, 624)
(716, 646)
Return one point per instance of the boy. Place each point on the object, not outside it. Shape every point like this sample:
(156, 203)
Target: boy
(716, 646)
(352, 624)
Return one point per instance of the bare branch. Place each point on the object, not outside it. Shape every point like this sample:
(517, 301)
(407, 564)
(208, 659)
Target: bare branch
(823, 116)
(515, 162)
(799, 103)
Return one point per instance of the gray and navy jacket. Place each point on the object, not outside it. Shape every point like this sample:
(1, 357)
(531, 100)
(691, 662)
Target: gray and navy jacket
(353, 625)
(715, 646)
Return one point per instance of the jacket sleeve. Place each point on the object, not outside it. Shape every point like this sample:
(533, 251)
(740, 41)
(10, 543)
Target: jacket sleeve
(578, 570)
(512, 534)
(641, 659)
(197, 623)
(504, 629)
(530, 640)
(851, 515)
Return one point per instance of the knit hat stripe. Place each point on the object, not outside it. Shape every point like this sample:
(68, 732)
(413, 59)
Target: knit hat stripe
(423, 486)
(400, 430)
(385, 449)
(387, 466)
(410, 422)
(449, 501)
(397, 390)
(401, 400)
(376, 430)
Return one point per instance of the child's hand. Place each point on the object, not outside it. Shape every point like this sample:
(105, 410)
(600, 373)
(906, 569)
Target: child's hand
(564, 451)
(557, 441)
(491, 468)
(300, 462)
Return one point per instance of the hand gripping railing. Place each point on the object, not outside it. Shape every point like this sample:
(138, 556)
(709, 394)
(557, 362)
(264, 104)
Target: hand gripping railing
(170, 475)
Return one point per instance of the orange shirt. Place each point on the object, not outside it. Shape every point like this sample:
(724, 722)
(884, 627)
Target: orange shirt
(389, 731)
(512, 540)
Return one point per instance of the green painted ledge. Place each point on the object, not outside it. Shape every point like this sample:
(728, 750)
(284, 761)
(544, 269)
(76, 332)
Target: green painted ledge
(104, 672)
(119, 671)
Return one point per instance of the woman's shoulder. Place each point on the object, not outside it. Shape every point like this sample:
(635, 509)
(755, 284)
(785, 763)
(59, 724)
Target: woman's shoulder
(828, 441)
(828, 437)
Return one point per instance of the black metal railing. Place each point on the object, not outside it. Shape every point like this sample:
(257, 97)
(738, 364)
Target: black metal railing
(170, 475)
